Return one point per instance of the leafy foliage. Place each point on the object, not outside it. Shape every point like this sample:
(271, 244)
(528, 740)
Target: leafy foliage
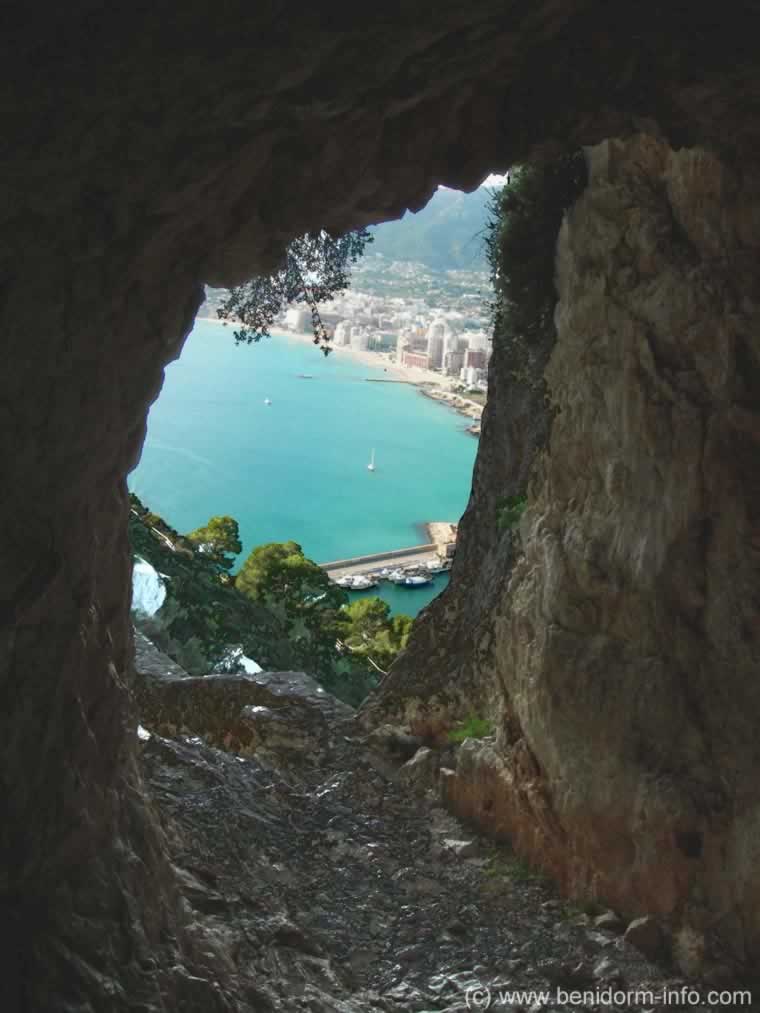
(317, 267)
(300, 594)
(472, 727)
(521, 245)
(509, 510)
(281, 609)
(204, 614)
(219, 540)
(371, 632)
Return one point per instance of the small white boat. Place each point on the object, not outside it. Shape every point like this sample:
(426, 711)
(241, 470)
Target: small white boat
(434, 566)
(371, 465)
(397, 576)
(362, 583)
(355, 582)
(416, 580)
(267, 401)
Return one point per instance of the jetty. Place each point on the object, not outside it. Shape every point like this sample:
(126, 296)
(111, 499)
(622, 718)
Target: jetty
(441, 546)
(414, 555)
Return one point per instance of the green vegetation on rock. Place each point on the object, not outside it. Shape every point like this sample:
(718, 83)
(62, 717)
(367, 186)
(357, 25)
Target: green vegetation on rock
(521, 248)
(472, 727)
(509, 510)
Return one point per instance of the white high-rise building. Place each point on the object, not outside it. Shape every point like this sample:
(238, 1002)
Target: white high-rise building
(298, 319)
(478, 341)
(403, 345)
(437, 334)
(343, 334)
(450, 342)
(453, 361)
(435, 351)
(471, 375)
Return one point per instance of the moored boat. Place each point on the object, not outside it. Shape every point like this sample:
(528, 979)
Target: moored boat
(416, 580)
(435, 566)
(356, 582)
(361, 583)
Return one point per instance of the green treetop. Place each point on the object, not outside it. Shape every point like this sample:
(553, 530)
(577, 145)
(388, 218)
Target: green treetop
(370, 631)
(219, 540)
(299, 592)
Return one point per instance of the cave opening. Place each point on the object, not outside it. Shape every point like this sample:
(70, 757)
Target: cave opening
(134, 179)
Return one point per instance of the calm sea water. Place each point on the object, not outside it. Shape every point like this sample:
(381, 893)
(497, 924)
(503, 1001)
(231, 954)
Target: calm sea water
(297, 469)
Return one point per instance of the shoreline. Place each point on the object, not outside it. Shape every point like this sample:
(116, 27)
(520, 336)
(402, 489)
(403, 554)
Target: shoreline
(428, 383)
(374, 360)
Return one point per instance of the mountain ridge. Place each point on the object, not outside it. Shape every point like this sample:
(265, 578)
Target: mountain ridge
(447, 234)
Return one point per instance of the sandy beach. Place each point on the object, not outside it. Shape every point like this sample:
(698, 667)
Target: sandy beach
(377, 360)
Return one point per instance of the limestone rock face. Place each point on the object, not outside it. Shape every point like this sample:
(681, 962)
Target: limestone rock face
(283, 718)
(625, 635)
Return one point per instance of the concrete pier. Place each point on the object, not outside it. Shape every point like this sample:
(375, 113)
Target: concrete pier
(442, 535)
(414, 555)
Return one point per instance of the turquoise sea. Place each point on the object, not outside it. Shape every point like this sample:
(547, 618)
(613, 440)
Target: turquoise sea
(297, 468)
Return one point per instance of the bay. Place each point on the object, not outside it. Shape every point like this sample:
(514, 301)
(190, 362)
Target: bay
(297, 468)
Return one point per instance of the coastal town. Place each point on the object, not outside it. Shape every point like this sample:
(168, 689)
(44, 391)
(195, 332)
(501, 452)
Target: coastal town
(441, 332)
(423, 327)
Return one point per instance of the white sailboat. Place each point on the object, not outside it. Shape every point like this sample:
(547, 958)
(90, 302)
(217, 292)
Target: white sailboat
(267, 401)
(371, 465)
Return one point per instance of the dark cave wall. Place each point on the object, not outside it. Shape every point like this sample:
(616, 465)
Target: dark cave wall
(154, 150)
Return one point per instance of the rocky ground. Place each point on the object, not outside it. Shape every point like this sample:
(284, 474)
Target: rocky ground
(334, 881)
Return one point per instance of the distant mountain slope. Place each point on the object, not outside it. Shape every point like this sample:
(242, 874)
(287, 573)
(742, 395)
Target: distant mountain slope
(446, 235)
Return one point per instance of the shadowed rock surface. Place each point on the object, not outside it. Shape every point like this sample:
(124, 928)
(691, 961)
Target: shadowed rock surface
(327, 886)
(616, 651)
(152, 150)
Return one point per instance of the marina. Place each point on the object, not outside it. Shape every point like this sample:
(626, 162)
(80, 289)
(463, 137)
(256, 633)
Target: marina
(413, 566)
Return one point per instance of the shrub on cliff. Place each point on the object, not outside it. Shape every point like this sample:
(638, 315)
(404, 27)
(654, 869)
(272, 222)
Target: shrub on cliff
(521, 241)
(473, 727)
